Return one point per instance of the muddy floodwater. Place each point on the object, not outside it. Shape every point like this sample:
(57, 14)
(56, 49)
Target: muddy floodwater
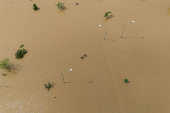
(56, 40)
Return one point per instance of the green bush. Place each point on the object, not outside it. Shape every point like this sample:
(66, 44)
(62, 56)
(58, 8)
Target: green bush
(35, 7)
(60, 6)
(106, 14)
(5, 64)
(20, 53)
(49, 85)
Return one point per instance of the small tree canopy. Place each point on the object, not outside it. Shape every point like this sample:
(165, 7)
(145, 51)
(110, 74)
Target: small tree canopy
(35, 7)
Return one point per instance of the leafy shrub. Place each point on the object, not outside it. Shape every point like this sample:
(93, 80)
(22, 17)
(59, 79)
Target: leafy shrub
(20, 53)
(60, 6)
(49, 85)
(5, 64)
(106, 14)
(35, 7)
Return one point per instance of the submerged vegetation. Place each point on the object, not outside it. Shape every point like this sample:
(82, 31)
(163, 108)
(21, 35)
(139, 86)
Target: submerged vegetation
(49, 85)
(126, 81)
(35, 7)
(20, 53)
(3, 74)
(60, 6)
(21, 45)
(5, 64)
(106, 15)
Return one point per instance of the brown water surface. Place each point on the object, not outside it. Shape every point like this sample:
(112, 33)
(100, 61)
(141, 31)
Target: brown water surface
(56, 40)
(168, 11)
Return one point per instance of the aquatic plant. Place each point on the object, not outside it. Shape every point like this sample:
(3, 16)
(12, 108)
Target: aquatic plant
(3, 74)
(35, 7)
(21, 45)
(60, 6)
(49, 85)
(5, 64)
(126, 80)
(20, 53)
(107, 14)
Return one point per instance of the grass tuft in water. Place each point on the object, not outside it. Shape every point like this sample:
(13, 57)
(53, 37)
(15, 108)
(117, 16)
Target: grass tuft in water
(48, 86)
(106, 15)
(60, 6)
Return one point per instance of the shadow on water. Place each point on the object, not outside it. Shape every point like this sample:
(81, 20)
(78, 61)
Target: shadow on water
(110, 16)
(4, 86)
(79, 82)
(133, 37)
(108, 39)
(62, 10)
(37, 9)
(65, 8)
(15, 68)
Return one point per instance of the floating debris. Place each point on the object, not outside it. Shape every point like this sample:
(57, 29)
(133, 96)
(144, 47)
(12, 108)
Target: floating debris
(82, 57)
